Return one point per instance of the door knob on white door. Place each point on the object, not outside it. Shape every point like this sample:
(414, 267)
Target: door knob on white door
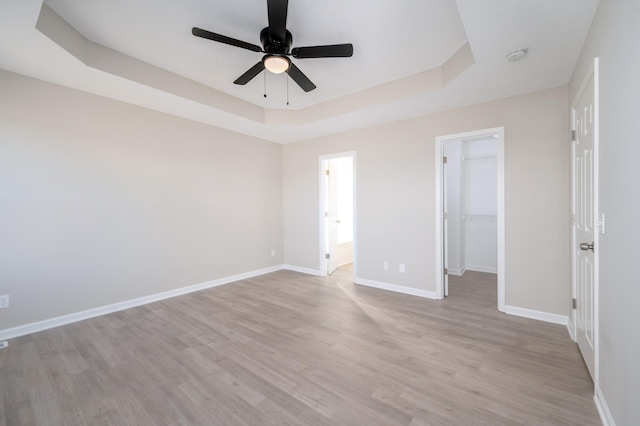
(586, 246)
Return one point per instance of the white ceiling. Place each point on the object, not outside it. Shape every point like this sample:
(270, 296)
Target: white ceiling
(192, 77)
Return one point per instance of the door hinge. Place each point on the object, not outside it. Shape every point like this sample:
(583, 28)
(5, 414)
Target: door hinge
(446, 271)
(444, 160)
(573, 136)
(573, 219)
(445, 215)
(574, 304)
(326, 214)
(327, 256)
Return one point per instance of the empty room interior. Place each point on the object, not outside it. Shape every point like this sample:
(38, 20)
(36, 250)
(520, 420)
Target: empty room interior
(319, 213)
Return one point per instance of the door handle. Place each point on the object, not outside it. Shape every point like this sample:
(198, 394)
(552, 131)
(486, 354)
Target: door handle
(586, 246)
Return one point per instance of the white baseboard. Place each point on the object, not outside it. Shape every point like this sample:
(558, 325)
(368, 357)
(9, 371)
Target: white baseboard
(11, 333)
(457, 272)
(570, 328)
(307, 271)
(603, 409)
(537, 315)
(397, 288)
(487, 269)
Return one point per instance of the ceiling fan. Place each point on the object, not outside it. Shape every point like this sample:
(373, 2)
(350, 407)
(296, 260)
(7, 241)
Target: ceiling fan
(276, 45)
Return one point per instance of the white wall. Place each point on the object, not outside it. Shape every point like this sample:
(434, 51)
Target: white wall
(102, 202)
(395, 183)
(613, 38)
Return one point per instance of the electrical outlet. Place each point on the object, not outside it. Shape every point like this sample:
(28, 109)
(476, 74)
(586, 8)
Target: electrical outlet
(4, 301)
(402, 268)
(273, 252)
(385, 266)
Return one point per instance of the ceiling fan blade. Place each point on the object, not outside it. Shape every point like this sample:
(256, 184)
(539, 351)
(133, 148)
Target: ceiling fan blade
(198, 32)
(251, 72)
(301, 79)
(329, 51)
(277, 10)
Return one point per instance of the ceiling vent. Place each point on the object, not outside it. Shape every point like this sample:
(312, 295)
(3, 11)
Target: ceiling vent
(516, 55)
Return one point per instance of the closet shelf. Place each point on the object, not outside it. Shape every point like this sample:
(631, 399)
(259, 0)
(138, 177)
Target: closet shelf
(479, 217)
(480, 158)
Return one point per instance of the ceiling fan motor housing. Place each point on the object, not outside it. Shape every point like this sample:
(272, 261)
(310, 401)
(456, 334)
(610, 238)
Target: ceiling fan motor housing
(272, 45)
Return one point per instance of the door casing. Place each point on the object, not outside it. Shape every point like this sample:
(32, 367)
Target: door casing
(323, 208)
(498, 133)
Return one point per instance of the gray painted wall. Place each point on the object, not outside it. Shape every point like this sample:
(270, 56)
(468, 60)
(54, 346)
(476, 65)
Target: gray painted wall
(613, 38)
(105, 202)
(395, 180)
(102, 202)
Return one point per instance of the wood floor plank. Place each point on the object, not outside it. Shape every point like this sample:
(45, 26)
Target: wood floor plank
(291, 349)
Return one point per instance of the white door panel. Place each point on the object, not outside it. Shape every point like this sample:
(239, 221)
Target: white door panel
(584, 229)
(445, 226)
(332, 217)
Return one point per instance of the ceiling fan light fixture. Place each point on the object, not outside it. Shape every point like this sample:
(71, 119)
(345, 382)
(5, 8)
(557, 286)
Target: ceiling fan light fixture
(276, 64)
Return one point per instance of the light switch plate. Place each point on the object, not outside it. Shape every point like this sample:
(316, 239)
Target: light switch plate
(601, 223)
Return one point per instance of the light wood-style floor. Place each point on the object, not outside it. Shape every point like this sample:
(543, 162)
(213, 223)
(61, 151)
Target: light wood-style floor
(290, 349)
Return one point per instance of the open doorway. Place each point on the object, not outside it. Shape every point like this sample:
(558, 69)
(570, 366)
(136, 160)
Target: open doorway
(470, 208)
(337, 207)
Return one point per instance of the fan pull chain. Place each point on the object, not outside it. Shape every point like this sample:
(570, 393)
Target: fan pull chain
(287, 87)
(265, 83)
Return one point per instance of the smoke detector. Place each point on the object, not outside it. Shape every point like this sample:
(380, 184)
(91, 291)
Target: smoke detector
(516, 55)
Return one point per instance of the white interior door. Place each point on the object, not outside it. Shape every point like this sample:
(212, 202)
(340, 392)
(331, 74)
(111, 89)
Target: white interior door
(445, 226)
(584, 227)
(332, 219)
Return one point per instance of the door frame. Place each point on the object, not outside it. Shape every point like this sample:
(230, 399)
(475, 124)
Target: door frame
(498, 133)
(593, 71)
(323, 209)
